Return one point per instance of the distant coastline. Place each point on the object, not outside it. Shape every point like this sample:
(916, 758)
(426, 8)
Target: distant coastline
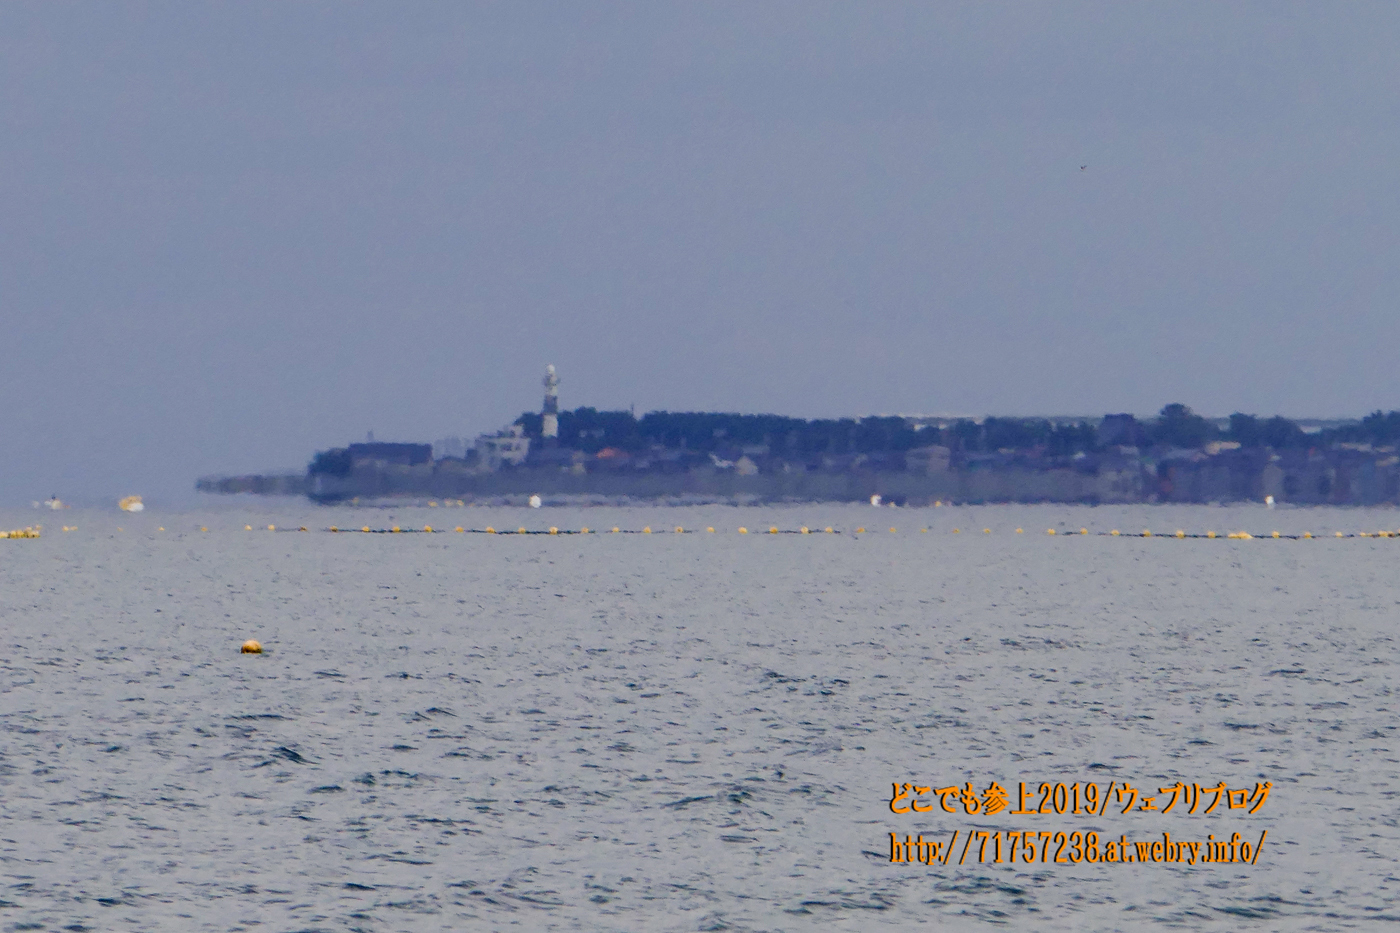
(585, 455)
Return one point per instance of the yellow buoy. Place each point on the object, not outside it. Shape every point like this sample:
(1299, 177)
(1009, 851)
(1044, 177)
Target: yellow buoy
(773, 529)
(489, 530)
(1339, 534)
(396, 529)
(1307, 534)
(957, 531)
(743, 530)
(251, 646)
(804, 529)
(892, 531)
(711, 529)
(1114, 532)
(428, 529)
(1146, 533)
(680, 530)
(333, 528)
(616, 529)
(245, 528)
(937, 503)
(646, 530)
(459, 529)
(161, 528)
(303, 528)
(271, 527)
(1210, 534)
(553, 530)
(1020, 531)
(1084, 531)
(860, 531)
(1049, 531)
(830, 530)
(201, 528)
(986, 531)
(1276, 534)
(365, 529)
(519, 531)
(583, 530)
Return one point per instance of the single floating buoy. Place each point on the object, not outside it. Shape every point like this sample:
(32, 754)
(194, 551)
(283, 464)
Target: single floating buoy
(251, 646)
(743, 531)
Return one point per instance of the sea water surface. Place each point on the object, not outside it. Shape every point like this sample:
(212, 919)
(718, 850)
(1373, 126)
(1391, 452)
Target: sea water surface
(695, 731)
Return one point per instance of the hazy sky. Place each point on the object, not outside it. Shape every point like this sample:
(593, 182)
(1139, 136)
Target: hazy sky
(233, 234)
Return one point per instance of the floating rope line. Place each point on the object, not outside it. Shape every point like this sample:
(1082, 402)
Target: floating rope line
(1178, 534)
(861, 530)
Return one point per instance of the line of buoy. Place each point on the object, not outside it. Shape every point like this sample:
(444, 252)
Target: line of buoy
(34, 532)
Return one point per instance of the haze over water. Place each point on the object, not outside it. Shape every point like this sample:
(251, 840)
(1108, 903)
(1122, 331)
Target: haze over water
(682, 732)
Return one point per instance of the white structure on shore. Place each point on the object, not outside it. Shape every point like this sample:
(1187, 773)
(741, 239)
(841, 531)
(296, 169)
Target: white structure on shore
(549, 415)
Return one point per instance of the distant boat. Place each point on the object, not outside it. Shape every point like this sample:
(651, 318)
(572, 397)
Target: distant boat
(132, 504)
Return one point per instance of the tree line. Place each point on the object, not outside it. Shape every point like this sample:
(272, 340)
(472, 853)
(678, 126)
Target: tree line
(1176, 426)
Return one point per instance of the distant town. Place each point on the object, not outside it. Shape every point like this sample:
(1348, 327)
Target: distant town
(587, 455)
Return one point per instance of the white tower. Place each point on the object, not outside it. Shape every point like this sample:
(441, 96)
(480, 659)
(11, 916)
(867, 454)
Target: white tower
(549, 429)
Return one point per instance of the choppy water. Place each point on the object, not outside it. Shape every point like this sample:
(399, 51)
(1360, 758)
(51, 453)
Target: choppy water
(682, 732)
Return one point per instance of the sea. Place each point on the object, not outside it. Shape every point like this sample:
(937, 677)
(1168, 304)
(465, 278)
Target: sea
(944, 717)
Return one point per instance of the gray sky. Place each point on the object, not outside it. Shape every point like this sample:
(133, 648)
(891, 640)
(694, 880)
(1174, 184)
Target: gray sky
(233, 234)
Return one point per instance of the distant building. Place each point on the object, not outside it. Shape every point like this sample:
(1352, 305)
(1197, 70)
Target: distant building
(931, 459)
(400, 454)
(507, 446)
(453, 447)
